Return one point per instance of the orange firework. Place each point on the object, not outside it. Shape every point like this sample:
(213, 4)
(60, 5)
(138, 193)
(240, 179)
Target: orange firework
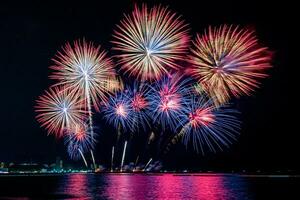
(150, 42)
(228, 61)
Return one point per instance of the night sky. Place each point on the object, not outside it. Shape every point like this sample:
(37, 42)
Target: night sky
(31, 34)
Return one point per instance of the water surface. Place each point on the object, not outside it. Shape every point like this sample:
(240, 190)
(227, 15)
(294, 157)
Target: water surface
(150, 186)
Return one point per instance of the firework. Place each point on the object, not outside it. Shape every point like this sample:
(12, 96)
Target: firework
(114, 84)
(150, 42)
(79, 141)
(167, 99)
(228, 61)
(151, 137)
(137, 96)
(148, 163)
(112, 158)
(136, 162)
(123, 155)
(84, 68)
(59, 109)
(118, 111)
(207, 125)
(75, 152)
(93, 158)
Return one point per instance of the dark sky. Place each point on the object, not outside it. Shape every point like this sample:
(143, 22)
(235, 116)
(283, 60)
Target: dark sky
(32, 32)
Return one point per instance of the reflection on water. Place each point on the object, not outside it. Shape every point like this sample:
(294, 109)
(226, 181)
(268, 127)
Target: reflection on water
(151, 186)
(167, 186)
(76, 184)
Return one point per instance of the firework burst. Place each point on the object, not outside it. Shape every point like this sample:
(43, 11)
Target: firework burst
(118, 111)
(79, 140)
(150, 42)
(139, 103)
(208, 126)
(86, 69)
(75, 151)
(59, 109)
(167, 99)
(228, 61)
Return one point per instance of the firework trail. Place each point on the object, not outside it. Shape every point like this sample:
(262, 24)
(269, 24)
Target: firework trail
(84, 160)
(150, 42)
(112, 158)
(151, 137)
(208, 126)
(123, 155)
(148, 163)
(136, 162)
(228, 60)
(79, 139)
(167, 99)
(86, 69)
(93, 158)
(59, 109)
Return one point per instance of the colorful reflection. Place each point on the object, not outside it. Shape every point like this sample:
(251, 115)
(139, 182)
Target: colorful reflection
(153, 186)
(76, 185)
(128, 187)
(172, 186)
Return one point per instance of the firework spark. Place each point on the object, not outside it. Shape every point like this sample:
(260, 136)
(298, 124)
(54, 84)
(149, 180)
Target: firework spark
(150, 42)
(59, 109)
(79, 140)
(228, 61)
(167, 99)
(85, 68)
(207, 125)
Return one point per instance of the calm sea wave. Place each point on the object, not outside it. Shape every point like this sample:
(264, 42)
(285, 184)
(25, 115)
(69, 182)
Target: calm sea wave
(150, 186)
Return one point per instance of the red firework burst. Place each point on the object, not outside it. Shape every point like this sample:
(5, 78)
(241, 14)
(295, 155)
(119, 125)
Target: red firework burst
(138, 102)
(201, 117)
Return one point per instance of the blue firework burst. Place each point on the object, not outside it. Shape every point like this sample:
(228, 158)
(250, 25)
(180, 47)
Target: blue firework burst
(167, 99)
(208, 127)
